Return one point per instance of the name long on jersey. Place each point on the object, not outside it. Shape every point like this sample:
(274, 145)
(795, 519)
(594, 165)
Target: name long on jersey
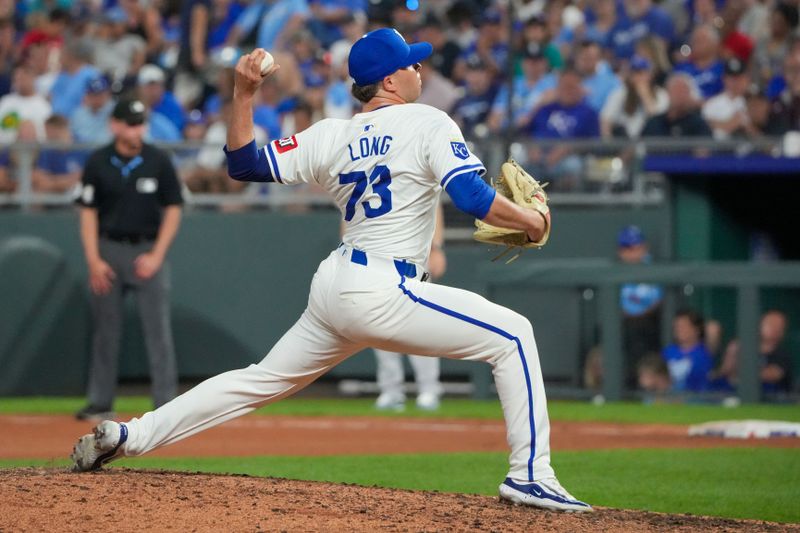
(385, 170)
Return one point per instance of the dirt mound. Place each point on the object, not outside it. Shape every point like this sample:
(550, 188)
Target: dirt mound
(119, 499)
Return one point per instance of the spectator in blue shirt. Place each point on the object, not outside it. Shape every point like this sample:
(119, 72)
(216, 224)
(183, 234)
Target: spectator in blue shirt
(640, 302)
(527, 90)
(490, 46)
(69, 87)
(704, 65)
(154, 94)
(306, 52)
(89, 123)
(221, 22)
(58, 169)
(194, 133)
(603, 18)
(159, 128)
(472, 110)
(275, 20)
(268, 118)
(641, 18)
(328, 16)
(598, 78)
(568, 117)
(688, 359)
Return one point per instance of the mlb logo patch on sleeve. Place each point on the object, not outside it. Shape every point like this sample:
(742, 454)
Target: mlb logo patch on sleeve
(285, 144)
(459, 150)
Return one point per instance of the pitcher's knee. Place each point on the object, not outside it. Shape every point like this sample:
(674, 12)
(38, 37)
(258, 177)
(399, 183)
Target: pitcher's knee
(520, 327)
(517, 332)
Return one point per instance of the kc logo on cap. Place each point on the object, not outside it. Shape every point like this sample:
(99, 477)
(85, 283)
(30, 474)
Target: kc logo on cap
(382, 52)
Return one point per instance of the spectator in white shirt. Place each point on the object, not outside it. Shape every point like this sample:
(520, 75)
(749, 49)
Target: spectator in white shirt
(117, 53)
(23, 104)
(629, 106)
(726, 113)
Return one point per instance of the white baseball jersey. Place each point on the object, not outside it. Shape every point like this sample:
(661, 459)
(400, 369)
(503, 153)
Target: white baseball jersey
(384, 169)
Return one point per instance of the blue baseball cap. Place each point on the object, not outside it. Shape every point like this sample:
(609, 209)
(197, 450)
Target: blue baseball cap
(630, 236)
(381, 52)
(98, 85)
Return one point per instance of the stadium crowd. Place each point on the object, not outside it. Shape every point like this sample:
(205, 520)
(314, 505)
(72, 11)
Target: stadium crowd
(696, 363)
(701, 361)
(559, 69)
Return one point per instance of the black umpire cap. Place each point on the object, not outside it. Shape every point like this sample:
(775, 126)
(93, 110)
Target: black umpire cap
(131, 112)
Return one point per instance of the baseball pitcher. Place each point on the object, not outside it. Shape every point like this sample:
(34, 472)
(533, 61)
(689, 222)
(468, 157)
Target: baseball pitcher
(385, 168)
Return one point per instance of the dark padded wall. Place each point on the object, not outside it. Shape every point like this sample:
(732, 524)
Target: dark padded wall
(239, 281)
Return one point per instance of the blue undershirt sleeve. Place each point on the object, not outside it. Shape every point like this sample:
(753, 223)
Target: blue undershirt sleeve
(248, 163)
(471, 194)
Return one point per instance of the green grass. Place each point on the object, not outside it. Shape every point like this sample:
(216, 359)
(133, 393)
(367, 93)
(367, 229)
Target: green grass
(451, 408)
(757, 483)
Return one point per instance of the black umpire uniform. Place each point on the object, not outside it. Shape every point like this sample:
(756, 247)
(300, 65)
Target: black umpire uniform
(126, 188)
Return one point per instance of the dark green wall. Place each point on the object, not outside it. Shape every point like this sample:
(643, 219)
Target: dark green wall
(715, 219)
(239, 281)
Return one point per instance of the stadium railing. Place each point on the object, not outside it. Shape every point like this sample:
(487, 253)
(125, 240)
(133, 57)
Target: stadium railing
(609, 172)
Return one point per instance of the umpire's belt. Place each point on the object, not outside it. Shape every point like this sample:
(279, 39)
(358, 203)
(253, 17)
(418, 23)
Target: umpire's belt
(128, 238)
(402, 266)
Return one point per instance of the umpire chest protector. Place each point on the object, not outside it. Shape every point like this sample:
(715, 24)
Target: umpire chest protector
(129, 193)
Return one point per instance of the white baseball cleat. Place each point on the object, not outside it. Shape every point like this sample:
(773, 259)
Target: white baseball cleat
(545, 493)
(104, 444)
(428, 401)
(391, 401)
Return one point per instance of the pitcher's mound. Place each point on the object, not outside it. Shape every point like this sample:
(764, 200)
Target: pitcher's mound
(119, 499)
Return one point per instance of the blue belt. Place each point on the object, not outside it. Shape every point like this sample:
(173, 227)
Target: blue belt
(404, 268)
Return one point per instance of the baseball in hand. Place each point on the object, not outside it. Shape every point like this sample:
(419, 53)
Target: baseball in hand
(266, 63)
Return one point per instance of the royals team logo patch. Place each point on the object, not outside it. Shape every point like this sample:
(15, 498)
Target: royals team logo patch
(459, 150)
(285, 144)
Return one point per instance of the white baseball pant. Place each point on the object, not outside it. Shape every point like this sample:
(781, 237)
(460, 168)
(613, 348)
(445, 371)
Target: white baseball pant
(360, 300)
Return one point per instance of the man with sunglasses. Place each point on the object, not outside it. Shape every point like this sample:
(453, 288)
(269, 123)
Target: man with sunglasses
(385, 168)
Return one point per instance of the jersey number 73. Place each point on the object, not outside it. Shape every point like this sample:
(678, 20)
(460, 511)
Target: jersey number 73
(379, 178)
